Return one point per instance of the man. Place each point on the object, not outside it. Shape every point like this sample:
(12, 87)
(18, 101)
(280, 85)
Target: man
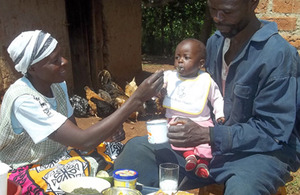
(258, 73)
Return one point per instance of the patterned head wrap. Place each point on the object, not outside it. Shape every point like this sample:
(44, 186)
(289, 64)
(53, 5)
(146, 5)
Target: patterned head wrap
(29, 48)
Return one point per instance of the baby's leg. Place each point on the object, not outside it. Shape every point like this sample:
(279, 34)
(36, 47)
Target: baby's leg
(202, 168)
(191, 160)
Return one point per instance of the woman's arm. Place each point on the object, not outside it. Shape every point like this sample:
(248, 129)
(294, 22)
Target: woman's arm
(70, 135)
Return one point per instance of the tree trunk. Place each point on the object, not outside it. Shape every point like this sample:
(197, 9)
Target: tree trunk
(207, 26)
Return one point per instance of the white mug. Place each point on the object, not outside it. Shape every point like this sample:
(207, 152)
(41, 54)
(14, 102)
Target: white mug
(157, 131)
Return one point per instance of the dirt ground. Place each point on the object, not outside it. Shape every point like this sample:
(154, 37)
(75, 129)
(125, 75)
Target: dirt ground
(132, 129)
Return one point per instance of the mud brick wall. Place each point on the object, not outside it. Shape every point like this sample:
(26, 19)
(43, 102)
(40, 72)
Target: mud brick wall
(286, 13)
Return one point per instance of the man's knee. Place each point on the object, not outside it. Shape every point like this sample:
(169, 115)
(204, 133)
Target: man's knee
(137, 141)
(236, 185)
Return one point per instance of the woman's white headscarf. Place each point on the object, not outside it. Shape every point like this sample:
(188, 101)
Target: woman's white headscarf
(29, 48)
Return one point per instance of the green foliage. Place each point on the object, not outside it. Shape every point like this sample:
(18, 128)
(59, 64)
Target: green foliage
(164, 26)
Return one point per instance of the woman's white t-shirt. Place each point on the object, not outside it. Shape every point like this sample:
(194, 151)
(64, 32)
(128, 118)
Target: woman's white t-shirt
(38, 119)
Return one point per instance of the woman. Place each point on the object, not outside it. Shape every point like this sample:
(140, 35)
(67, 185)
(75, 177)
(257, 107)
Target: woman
(37, 122)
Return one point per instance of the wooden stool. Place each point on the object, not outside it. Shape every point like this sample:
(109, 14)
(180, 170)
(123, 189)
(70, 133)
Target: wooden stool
(218, 189)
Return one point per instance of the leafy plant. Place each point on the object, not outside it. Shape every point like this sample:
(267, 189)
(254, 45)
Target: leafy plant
(165, 23)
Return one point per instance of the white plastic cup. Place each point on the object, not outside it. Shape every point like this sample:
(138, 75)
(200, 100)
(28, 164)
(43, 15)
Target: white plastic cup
(4, 168)
(157, 131)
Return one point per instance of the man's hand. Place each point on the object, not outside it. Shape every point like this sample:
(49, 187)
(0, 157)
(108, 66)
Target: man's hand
(184, 132)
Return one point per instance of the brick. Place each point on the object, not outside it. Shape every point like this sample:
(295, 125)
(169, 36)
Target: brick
(262, 6)
(284, 23)
(293, 40)
(286, 6)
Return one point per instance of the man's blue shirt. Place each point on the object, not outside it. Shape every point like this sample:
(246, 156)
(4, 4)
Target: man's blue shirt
(261, 94)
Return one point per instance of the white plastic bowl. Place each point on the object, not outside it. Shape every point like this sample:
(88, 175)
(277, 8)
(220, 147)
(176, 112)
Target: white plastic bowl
(85, 182)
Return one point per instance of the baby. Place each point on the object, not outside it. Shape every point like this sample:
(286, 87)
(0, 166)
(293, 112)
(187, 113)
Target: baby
(187, 92)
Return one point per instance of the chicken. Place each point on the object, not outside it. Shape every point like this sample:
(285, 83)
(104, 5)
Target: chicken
(105, 95)
(109, 86)
(80, 105)
(91, 94)
(130, 87)
(104, 108)
(153, 108)
(117, 94)
(160, 110)
(120, 100)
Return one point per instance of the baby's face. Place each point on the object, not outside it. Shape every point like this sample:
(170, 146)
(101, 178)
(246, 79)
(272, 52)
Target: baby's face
(187, 59)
